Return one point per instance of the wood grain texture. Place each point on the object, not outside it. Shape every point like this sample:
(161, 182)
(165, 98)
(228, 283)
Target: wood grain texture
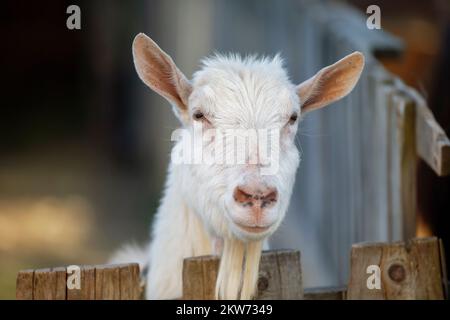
(433, 145)
(44, 284)
(24, 285)
(74, 293)
(87, 285)
(362, 256)
(193, 277)
(443, 269)
(269, 284)
(107, 282)
(409, 270)
(61, 283)
(210, 267)
(402, 161)
(290, 274)
(129, 281)
(279, 276)
(325, 293)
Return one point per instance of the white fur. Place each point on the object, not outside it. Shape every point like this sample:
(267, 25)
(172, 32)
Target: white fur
(245, 93)
(198, 214)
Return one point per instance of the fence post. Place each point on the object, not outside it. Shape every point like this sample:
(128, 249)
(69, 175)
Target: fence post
(410, 270)
(279, 276)
(101, 282)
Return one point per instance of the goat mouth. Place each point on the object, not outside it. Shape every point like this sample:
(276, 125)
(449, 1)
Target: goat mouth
(253, 229)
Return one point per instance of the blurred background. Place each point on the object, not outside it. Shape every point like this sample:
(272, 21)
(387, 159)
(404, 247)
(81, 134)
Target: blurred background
(85, 145)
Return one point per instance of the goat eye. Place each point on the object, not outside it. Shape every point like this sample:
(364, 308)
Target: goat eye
(198, 115)
(293, 118)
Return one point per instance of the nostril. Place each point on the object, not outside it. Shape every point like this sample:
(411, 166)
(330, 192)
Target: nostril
(260, 198)
(269, 198)
(242, 197)
(272, 196)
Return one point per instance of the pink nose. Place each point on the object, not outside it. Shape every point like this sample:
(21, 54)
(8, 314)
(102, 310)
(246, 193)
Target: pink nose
(256, 198)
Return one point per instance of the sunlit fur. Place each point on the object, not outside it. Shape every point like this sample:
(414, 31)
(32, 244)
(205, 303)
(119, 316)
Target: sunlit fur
(239, 93)
(198, 214)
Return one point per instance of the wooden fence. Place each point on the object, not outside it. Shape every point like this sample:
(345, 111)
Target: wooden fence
(365, 168)
(374, 138)
(412, 270)
(357, 178)
(100, 282)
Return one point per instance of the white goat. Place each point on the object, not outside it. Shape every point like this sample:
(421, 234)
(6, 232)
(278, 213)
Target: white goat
(224, 209)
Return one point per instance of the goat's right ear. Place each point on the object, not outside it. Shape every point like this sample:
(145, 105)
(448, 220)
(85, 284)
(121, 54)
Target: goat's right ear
(158, 71)
(331, 83)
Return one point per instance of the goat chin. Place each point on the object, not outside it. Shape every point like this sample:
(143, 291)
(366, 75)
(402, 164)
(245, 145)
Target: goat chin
(238, 270)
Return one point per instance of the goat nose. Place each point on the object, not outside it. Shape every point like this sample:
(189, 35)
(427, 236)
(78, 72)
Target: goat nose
(252, 197)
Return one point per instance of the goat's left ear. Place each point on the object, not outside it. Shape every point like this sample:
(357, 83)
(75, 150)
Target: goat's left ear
(331, 83)
(158, 71)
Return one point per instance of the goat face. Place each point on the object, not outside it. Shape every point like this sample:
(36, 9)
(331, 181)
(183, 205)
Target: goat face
(246, 107)
(245, 113)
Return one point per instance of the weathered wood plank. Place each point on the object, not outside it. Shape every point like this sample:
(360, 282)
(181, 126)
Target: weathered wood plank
(425, 254)
(443, 269)
(129, 282)
(408, 270)
(325, 293)
(364, 255)
(138, 282)
(193, 286)
(24, 285)
(433, 145)
(107, 282)
(61, 283)
(406, 135)
(44, 284)
(210, 267)
(74, 293)
(96, 282)
(279, 276)
(269, 285)
(402, 166)
(290, 274)
(87, 285)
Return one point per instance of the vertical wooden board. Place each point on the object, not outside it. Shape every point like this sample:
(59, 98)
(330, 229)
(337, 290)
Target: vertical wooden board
(279, 276)
(138, 290)
(210, 271)
(269, 284)
(425, 256)
(290, 274)
(129, 283)
(24, 285)
(433, 145)
(193, 279)
(406, 135)
(364, 255)
(443, 269)
(107, 282)
(74, 293)
(44, 284)
(398, 276)
(61, 284)
(408, 271)
(125, 282)
(325, 293)
(377, 224)
(394, 178)
(88, 283)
